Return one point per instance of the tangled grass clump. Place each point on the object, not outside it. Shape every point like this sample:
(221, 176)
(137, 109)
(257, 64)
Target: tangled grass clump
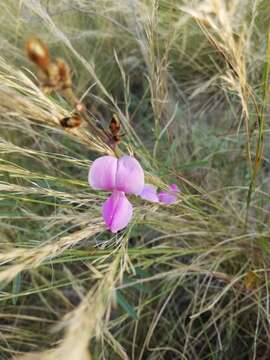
(188, 83)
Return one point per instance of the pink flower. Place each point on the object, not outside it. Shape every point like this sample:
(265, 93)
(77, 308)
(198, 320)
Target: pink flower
(149, 193)
(124, 176)
(167, 197)
(120, 176)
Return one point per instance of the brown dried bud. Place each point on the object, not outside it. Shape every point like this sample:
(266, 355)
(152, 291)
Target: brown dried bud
(53, 76)
(80, 107)
(38, 52)
(115, 125)
(71, 121)
(64, 74)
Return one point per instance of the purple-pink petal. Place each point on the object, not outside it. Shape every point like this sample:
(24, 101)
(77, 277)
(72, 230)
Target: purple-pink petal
(167, 198)
(129, 176)
(149, 193)
(174, 188)
(102, 173)
(117, 211)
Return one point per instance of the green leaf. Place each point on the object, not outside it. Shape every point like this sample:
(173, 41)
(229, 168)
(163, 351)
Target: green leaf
(126, 305)
(140, 287)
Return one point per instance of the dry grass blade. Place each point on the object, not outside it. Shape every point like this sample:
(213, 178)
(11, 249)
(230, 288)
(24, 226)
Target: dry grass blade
(183, 87)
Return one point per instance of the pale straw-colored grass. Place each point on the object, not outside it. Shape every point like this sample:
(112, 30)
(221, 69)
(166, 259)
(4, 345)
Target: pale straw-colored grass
(189, 82)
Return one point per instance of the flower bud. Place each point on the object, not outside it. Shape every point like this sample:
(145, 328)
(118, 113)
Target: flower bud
(38, 52)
